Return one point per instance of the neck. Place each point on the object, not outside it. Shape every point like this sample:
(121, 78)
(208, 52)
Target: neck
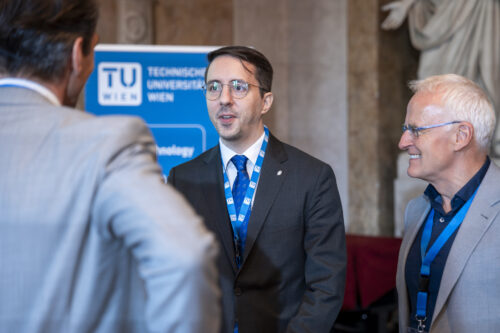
(240, 146)
(55, 87)
(460, 176)
(58, 86)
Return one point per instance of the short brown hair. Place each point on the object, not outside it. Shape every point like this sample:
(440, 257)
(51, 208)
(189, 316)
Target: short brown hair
(264, 70)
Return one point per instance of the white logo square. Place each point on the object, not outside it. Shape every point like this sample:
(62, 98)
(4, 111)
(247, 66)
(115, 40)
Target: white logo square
(119, 83)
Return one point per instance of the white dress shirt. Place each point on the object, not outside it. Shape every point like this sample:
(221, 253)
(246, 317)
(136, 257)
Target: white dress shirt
(251, 153)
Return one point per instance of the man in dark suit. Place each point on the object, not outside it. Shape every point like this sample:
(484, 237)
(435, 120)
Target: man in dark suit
(275, 209)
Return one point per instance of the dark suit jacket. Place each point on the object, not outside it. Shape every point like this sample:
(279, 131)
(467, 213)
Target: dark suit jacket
(293, 273)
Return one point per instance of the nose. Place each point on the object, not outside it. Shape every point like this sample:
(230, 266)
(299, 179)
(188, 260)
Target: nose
(225, 96)
(405, 141)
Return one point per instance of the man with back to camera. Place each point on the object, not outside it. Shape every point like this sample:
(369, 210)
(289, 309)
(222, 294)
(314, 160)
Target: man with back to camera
(448, 276)
(276, 210)
(91, 240)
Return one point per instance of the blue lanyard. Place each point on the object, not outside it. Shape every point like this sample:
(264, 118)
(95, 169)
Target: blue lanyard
(428, 258)
(237, 221)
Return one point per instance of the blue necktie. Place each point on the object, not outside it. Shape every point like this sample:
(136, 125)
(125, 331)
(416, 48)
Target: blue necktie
(239, 191)
(241, 181)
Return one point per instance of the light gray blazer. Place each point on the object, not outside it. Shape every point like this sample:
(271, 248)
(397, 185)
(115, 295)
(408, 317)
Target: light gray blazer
(469, 295)
(91, 240)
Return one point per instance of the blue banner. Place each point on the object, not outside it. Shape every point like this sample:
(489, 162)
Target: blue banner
(162, 85)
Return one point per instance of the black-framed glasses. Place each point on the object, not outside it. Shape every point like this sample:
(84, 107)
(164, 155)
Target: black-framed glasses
(417, 131)
(238, 88)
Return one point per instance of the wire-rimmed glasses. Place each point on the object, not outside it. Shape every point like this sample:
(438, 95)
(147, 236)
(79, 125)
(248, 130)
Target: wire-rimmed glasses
(238, 88)
(416, 131)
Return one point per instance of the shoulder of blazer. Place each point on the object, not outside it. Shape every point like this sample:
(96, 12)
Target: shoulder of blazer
(489, 188)
(276, 149)
(284, 152)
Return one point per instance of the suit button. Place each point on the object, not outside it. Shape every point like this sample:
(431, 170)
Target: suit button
(237, 291)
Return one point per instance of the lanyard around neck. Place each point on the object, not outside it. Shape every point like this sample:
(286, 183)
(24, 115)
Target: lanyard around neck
(237, 221)
(429, 256)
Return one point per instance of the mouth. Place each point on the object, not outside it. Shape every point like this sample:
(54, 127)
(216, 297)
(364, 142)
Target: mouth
(226, 118)
(415, 156)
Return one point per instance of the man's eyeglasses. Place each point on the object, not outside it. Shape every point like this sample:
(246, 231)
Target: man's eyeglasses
(238, 88)
(417, 131)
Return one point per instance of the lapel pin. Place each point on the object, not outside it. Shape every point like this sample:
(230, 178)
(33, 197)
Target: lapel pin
(279, 172)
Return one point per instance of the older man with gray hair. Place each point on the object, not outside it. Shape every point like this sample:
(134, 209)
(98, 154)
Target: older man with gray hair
(447, 278)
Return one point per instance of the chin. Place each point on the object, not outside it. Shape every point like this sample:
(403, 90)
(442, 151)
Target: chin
(228, 134)
(412, 173)
(230, 138)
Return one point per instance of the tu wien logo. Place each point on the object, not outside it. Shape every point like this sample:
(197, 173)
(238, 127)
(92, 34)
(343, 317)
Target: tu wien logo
(119, 83)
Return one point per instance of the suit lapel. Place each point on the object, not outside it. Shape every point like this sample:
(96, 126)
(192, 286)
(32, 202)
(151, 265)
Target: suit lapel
(216, 202)
(417, 215)
(269, 185)
(482, 212)
(422, 207)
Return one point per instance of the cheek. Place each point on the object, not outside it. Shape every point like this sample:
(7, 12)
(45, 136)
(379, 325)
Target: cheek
(212, 107)
(435, 155)
(255, 110)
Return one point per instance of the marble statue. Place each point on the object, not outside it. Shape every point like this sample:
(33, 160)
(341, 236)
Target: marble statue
(455, 36)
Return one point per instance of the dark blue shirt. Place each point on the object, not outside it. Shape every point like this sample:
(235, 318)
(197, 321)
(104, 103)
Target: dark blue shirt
(440, 221)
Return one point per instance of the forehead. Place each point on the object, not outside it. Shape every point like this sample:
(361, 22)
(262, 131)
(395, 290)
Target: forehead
(226, 68)
(424, 108)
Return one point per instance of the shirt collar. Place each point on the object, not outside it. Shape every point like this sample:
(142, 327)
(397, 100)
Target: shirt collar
(28, 84)
(251, 153)
(461, 196)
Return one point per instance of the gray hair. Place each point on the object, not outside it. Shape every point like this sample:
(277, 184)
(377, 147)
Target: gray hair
(465, 100)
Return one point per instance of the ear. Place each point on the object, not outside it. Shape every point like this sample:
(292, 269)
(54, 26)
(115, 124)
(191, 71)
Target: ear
(268, 102)
(464, 135)
(77, 57)
(75, 77)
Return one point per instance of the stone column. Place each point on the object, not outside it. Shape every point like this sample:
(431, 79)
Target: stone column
(380, 65)
(363, 117)
(317, 93)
